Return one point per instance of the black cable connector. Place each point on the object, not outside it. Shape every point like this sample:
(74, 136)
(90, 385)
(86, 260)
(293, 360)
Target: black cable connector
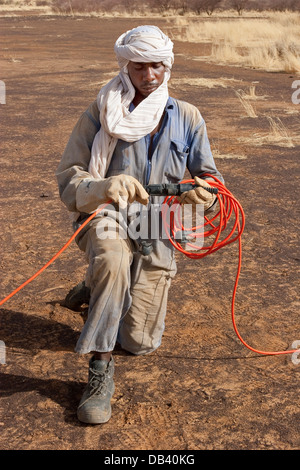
(173, 189)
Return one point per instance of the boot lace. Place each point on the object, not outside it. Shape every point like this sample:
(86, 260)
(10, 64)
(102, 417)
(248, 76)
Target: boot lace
(98, 384)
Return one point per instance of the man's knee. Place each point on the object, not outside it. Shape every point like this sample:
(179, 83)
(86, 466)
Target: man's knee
(109, 263)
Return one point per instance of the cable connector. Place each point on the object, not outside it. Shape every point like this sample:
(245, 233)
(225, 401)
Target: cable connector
(174, 189)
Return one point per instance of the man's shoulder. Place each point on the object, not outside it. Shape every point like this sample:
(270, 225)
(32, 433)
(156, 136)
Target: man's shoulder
(92, 112)
(186, 109)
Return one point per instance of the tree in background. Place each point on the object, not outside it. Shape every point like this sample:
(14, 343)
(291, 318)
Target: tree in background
(239, 5)
(163, 5)
(283, 5)
(166, 6)
(207, 6)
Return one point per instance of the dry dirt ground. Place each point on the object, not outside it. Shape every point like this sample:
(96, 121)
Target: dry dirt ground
(202, 390)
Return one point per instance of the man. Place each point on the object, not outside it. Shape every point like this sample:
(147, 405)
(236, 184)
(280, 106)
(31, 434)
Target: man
(133, 135)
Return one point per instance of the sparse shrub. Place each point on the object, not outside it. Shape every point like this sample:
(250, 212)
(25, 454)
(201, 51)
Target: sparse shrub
(207, 6)
(239, 5)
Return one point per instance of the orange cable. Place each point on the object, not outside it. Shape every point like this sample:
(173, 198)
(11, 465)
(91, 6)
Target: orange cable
(228, 206)
(55, 256)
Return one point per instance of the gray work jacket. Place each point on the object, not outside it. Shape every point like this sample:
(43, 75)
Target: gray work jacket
(181, 144)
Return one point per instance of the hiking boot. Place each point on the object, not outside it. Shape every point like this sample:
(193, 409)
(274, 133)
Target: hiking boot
(77, 297)
(94, 406)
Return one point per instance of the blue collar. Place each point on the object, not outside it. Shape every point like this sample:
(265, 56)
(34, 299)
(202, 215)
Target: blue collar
(169, 105)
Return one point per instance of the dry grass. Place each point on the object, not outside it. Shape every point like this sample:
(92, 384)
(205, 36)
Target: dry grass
(271, 43)
(245, 104)
(229, 156)
(277, 135)
(202, 82)
(9, 7)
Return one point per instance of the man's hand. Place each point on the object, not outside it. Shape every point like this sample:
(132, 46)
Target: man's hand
(124, 188)
(198, 195)
(119, 189)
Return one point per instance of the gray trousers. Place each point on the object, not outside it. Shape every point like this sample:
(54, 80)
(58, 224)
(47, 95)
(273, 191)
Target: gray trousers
(129, 291)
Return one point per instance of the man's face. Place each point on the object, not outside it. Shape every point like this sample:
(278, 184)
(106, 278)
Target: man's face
(146, 77)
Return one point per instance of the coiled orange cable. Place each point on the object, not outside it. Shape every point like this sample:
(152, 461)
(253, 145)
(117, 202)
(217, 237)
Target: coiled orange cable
(228, 207)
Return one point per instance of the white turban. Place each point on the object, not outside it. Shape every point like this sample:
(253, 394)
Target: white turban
(142, 44)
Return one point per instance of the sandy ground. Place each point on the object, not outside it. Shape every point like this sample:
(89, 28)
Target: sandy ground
(202, 389)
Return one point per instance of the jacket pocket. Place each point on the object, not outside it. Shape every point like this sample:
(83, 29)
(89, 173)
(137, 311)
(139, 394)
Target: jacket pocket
(176, 162)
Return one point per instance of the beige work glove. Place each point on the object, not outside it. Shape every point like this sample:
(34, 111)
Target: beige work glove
(198, 195)
(120, 189)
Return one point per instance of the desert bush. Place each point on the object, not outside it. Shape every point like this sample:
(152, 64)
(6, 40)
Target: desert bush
(163, 5)
(205, 6)
(239, 5)
(284, 5)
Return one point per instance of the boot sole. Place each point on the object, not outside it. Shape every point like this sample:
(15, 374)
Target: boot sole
(93, 417)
